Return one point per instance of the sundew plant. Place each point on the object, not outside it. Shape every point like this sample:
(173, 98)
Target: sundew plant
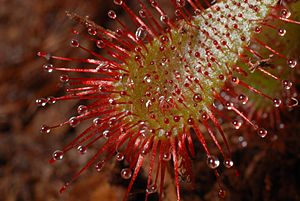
(167, 81)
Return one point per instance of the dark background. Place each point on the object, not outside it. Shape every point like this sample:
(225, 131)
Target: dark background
(268, 170)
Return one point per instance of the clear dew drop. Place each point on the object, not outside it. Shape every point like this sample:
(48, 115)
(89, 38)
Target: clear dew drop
(285, 13)
(287, 84)
(112, 121)
(120, 157)
(142, 13)
(74, 43)
(41, 102)
(112, 14)
(64, 78)
(243, 99)
(151, 189)
(140, 33)
(281, 32)
(74, 121)
(292, 63)
(100, 44)
(111, 101)
(276, 102)
(126, 173)
(82, 109)
(228, 163)
(164, 18)
(167, 156)
(120, 32)
(99, 166)
(97, 121)
(92, 31)
(48, 68)
(197, 12)
(45, 129)
(235, 80)
(197, 98)
(213, 162)
(82, 149)
(106, 134)
(262, 132)
(153, 3)
(147, 79)
(58, 155)
(237, 124)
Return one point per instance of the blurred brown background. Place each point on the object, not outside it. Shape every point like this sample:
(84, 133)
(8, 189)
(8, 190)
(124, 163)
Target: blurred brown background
(267, 171)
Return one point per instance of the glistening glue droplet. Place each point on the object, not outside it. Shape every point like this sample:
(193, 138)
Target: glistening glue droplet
(100, 44)
(197, 97)
(48, 68)
(120, 157)
(82, 109)
(126, 173)
(74, 43)
(276, 102)
(97, 121)
(212, 162)
(81, 149)
(292, 63)
(141, 33)
(236, 124)
(45, 129)
(287, 84)
(106, 134)
(74, 121)
(99, 166)
(281, 32)
(243, 99)
(262, 132)
(118, 2)
(151, 189)
(167, 156)
(92, 31)
(112, 14)
(41, 102)
(51, 100)
(228, 163)
(58, 155)
(64, 78)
